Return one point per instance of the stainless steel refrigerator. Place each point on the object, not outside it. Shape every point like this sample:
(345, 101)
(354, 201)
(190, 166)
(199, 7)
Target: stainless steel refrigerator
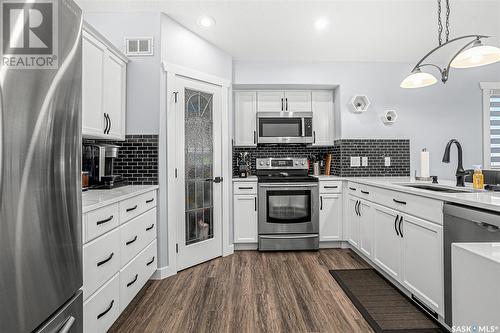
(40, 161)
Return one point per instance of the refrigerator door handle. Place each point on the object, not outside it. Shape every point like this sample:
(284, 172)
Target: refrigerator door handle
(67, 325)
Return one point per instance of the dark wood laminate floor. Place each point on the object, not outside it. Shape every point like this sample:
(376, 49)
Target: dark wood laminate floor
(250, 292)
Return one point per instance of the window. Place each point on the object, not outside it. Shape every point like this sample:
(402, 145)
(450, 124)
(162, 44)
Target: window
(491, 124)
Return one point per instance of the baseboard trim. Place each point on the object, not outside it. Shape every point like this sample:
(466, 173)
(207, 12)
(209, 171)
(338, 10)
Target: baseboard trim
(330, 245)
(163, 273)
(246, 246)
(228, 250)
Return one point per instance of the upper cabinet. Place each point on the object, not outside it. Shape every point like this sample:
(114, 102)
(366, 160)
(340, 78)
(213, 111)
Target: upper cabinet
(247, 103)
(245, 118)
(323, 117)
(104, 86)
(284, 101)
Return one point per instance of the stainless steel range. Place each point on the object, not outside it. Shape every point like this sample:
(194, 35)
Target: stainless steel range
(288, 205)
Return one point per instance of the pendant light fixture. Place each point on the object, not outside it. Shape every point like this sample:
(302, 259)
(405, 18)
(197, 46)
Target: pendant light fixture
(472, 54)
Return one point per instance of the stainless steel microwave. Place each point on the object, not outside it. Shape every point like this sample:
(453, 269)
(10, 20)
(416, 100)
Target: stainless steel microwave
(285, 127)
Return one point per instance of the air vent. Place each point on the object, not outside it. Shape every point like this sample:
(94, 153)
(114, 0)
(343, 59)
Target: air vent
(139, 46)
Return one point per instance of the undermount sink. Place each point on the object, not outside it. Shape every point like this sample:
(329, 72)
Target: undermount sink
(440, 188)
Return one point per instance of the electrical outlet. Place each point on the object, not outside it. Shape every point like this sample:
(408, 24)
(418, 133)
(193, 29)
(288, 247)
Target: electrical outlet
(355, 161)
(387, 162)
(364, 161)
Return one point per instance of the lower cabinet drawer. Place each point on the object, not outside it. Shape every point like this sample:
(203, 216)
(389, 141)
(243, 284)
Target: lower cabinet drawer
(137, 205)
(136, 234)
(136, 274)
(329, 186)
(102, 309)
(101, 260)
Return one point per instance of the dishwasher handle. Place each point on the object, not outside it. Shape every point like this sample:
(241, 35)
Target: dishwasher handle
(483, 218)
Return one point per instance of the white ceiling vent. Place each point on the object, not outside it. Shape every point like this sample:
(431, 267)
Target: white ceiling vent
(135, 47)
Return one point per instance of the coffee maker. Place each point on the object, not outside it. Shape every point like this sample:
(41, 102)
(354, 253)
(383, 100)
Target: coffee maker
(98, 162)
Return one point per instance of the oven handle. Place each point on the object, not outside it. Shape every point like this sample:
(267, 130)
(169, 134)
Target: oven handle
(288, 236)
(288, 185)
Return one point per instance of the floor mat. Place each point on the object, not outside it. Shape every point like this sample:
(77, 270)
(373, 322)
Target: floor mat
(381, 304)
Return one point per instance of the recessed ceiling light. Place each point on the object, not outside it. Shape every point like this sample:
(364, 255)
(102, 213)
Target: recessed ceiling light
(206, 21)
(321, 23)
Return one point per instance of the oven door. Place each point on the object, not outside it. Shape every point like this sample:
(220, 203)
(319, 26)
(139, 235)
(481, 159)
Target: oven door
(288, 208)
(284, 127)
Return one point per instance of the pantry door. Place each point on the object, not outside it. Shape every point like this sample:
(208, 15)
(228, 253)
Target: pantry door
(199, 171)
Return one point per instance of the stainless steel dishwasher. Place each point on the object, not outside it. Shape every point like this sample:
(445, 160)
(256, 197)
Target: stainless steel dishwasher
(464, 224)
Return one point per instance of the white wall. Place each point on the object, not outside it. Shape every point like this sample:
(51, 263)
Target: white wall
(182, 47)
(143, 73)
(429, 117)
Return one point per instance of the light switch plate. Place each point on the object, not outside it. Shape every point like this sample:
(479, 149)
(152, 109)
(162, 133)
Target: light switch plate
(355, 161)
(387, 162)
(364, 161)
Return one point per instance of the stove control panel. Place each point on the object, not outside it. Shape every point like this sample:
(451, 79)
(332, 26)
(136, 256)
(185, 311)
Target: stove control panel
(271, 163)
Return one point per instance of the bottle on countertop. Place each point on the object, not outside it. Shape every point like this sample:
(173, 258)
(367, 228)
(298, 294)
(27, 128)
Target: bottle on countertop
(478, 178)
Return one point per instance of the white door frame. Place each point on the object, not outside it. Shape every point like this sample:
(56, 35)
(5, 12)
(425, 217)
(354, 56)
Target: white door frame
(167, 226)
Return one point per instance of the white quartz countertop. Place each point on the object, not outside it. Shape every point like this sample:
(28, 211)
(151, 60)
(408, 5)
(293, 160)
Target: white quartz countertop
(479, 199)
(248, 179)
(490, 251)
(94, 199)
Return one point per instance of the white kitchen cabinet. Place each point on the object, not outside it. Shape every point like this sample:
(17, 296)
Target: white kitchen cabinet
(245, 118)
(323, 118)
(298, 101)
(386, 241)
(283, 101)
(115, 88)
(422, 262)
(365, 228)
(245, 218)
(104, 82)
(352, 221)
(93, 55)
(270, 101)
(330, 217)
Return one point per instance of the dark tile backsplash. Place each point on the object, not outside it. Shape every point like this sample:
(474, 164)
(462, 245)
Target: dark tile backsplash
(137, 159)
(375, 149)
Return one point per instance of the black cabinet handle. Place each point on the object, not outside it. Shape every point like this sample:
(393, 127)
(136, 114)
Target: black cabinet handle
(321, 203)
(330, 186)
(110, 123)
(255, 203)
(395, 225)
(314, 136)
(254, 137)
(282, 107)
(100, 263)
(150, 200)
(286, 103)
(365, 192)
(352, 188)
(399, 202)
(357, 208)
(400, 222)
(131, 209)
(105, 220)
(131, 241)
(106, 121)
(151, 227)
(133, 281)
(245, 188)
(151, 261)
(99, 316)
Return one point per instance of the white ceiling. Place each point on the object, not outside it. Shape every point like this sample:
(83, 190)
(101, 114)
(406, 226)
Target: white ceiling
(370, 30)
